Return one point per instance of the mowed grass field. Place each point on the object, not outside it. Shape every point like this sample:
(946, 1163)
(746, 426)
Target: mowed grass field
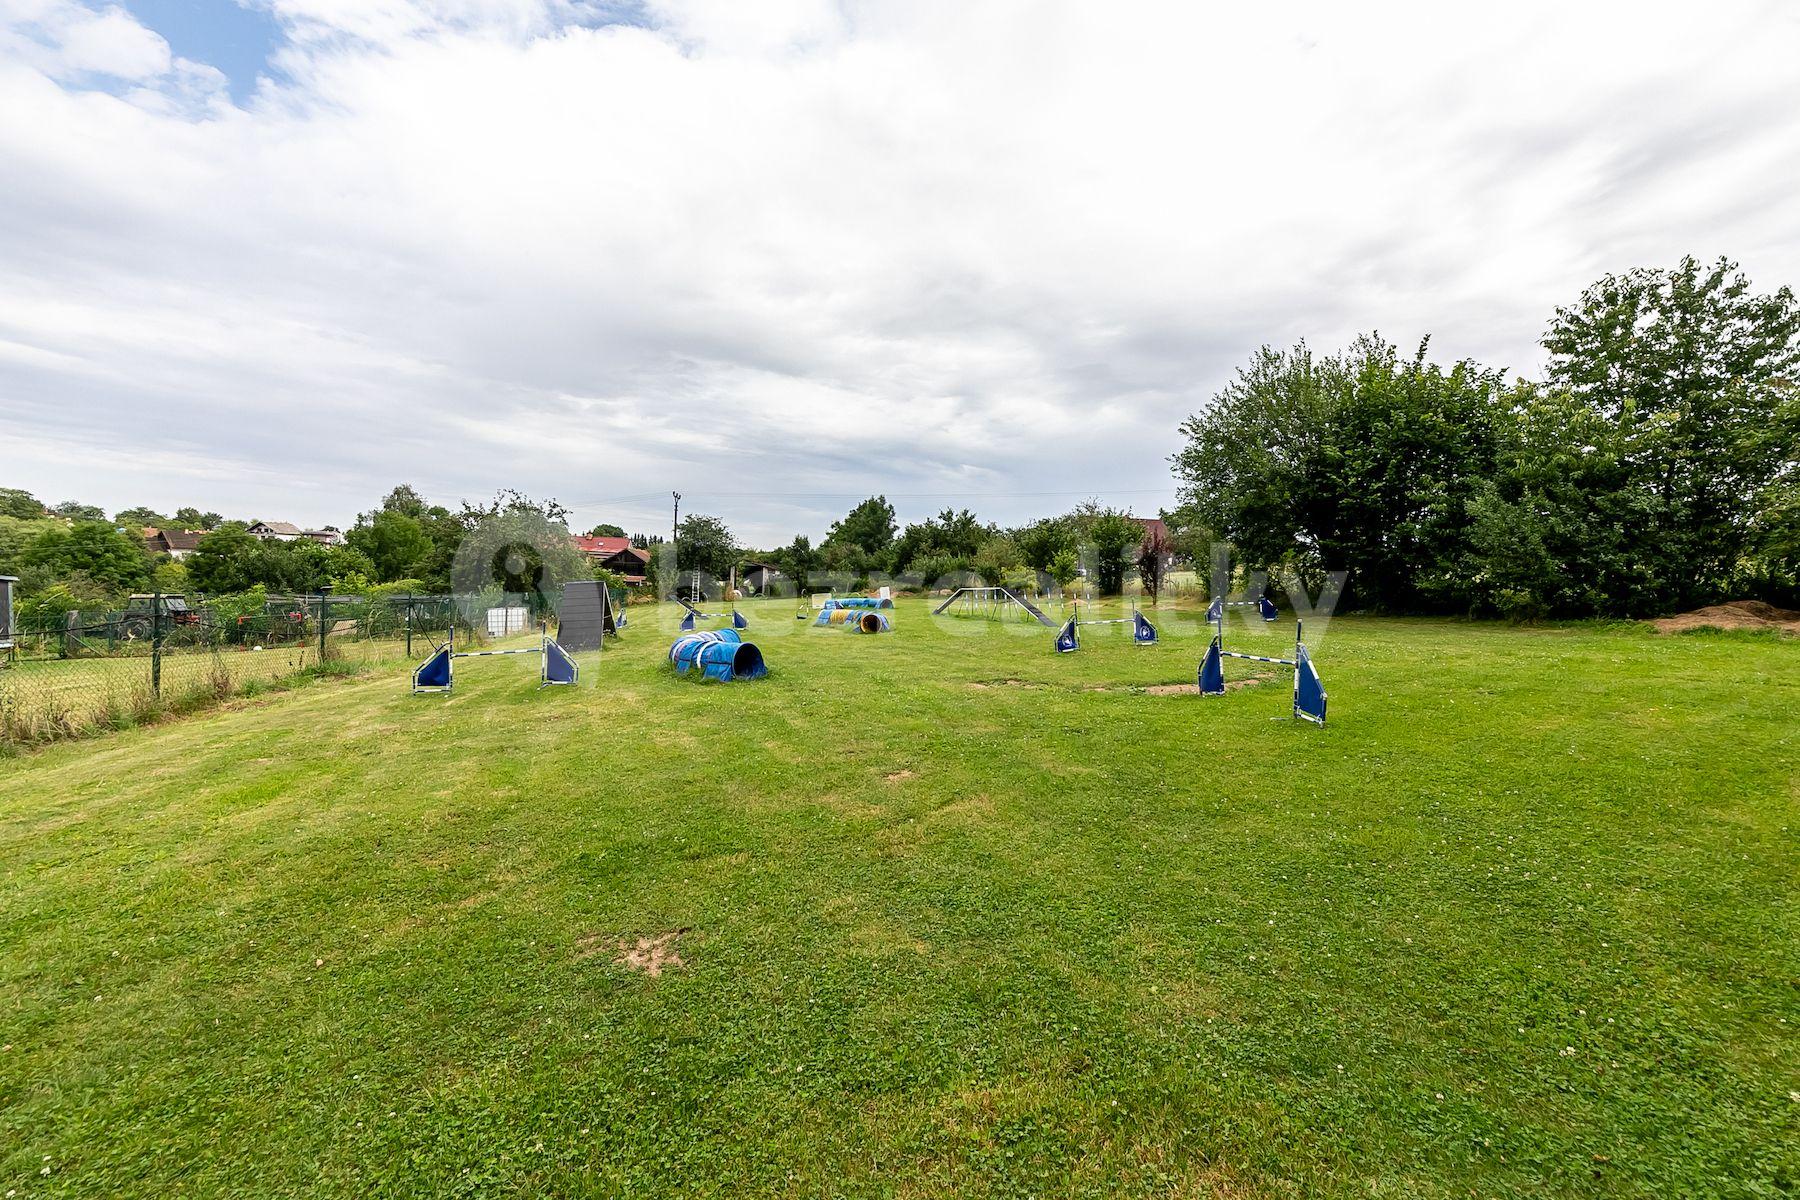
(955, 915)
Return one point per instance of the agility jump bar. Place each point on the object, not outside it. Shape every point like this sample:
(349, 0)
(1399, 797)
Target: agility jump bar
(438, 673)
(1265, 606)
(1309, 690)
(1068, 639)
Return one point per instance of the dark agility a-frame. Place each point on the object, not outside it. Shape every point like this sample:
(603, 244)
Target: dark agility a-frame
(587, 615)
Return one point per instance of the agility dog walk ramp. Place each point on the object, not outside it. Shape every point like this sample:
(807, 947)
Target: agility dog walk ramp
(993, 599)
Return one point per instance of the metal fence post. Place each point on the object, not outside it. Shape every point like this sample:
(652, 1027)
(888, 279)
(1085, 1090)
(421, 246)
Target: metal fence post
(321, 627)
(156, 642)
(409, 617)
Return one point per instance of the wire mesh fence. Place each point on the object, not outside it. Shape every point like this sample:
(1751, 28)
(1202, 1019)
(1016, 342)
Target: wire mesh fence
(89, 671)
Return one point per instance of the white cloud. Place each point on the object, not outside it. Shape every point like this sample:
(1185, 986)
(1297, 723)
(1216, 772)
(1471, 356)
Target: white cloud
(66, 40)
(811, 248)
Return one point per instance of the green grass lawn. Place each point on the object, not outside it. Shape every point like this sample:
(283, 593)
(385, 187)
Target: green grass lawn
(958, 917)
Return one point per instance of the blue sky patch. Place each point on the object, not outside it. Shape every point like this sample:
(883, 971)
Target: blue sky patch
(236, 39)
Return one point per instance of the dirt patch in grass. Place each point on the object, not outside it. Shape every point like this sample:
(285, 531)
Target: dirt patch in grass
(984, 685)
(901, 776)
(1178, 689)
(1733, 614)
(650, 955)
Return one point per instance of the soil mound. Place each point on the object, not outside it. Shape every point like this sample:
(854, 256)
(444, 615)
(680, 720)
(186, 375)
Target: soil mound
(1733, 614)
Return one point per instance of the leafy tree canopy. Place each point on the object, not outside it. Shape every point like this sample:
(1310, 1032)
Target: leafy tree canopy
(951, 535)
(1699, 372)
(19, 503)
(74, 510)
(869, 526)
(189, 517)
(395, 544)
(116, 561)
(705, 544)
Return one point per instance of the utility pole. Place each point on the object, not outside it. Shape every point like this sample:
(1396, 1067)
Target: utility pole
(674, 542)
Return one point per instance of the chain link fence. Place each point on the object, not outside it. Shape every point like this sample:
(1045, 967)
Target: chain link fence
(103, 670)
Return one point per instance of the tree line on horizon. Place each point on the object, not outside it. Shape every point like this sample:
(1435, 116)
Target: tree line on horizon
(1652, 469)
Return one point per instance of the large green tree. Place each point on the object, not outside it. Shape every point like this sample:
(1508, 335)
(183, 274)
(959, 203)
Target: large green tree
(227, 559)
(114, 560)
(951, 540)
(1362, 462)
(16, 534)
(1041, 541)
(189, 517)
(869, 526)
(1112, 539)
(395, 543)
(17, 502)
(798, 560)
(1697, 371)
(704, 543)
(443, 530)
(1559, 528)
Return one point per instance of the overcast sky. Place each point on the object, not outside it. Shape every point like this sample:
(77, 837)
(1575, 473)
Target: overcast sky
(272, 259)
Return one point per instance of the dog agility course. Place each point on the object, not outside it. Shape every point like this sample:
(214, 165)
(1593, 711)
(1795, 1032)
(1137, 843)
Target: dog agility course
(940, 913)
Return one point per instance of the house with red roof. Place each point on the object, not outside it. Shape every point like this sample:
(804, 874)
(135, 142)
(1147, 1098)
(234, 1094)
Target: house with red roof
(617, 555)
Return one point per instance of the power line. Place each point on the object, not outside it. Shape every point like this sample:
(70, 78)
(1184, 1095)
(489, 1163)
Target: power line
(1163, 491)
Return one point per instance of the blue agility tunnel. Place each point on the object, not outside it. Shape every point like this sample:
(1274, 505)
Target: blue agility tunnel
(868, 622)
(718, 654)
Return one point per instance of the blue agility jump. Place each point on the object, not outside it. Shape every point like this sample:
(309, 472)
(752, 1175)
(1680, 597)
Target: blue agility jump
(1309, 690)
(1143, 633)
(738, 619)
(718, 654)
(1216, 611)
(437, 674)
